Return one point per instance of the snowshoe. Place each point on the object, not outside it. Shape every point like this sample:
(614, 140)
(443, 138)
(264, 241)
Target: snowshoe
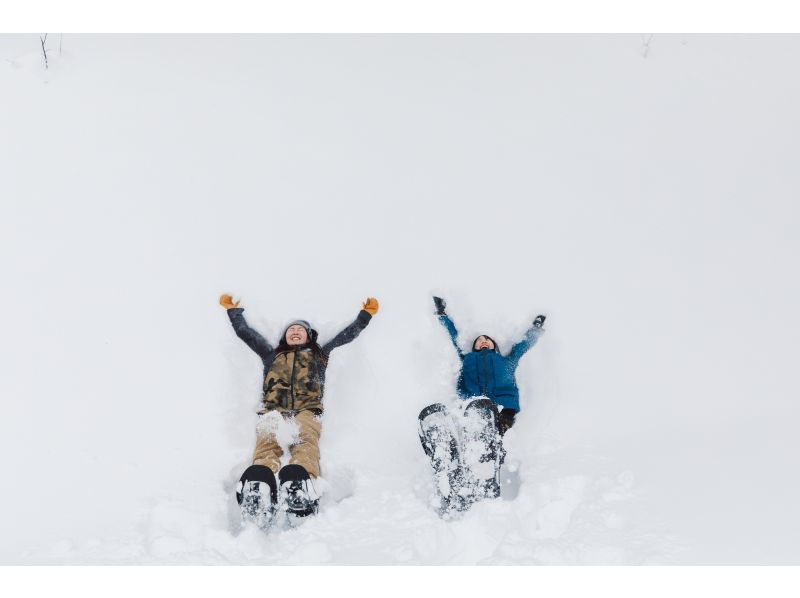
(299, 497)
(257, 495)
(439, 439)
(482, 449)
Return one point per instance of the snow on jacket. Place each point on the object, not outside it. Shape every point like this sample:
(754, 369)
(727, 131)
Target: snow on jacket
(294, 379)
(487, 373)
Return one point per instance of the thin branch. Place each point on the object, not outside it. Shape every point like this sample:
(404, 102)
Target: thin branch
(44, 51)
(60, 39)
(646, 45)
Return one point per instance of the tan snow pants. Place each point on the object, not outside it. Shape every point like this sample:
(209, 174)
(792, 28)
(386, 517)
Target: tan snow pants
(304, 451)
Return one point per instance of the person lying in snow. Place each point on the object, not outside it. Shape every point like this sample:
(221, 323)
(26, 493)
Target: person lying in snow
(488, 388)
(294, 381)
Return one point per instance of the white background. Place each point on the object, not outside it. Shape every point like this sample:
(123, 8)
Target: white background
(643, 197)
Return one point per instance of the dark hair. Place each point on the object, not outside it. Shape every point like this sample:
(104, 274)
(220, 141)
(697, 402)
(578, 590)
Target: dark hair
(486, 336)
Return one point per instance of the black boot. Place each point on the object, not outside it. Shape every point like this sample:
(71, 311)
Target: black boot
(297, 489)
(257, 494)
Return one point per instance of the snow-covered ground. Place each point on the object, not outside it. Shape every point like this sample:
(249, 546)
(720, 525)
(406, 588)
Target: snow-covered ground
(645, 198)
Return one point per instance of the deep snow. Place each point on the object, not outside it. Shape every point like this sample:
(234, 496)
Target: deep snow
(648, 205)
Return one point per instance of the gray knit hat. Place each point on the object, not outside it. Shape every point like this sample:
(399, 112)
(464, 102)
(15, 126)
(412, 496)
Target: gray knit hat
(304, 323)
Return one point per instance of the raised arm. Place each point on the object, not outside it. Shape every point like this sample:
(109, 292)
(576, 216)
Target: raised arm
(531, 337)
(447, 323)
(349, 334)
(253, 339)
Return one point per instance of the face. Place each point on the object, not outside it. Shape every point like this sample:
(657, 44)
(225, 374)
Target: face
(296, 335)
(483, 343)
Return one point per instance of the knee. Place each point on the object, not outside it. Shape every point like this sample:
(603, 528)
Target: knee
(309, 429)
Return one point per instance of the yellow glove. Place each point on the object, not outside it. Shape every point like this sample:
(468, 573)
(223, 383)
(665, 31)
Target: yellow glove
(226, 301)
(370, 306)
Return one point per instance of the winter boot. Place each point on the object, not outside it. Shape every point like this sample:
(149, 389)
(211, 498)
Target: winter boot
(297, 489)
(257, 494)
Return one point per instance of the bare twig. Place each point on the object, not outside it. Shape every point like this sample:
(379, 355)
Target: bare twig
(44, 51)
(60, 39)
(646, 44)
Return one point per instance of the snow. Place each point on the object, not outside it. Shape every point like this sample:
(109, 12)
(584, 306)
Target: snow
(648, 205)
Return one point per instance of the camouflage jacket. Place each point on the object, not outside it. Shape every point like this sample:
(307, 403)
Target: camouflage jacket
(294, 380)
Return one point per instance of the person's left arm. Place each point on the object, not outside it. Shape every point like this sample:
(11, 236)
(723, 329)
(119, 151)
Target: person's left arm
(531, 337)
(349, 334)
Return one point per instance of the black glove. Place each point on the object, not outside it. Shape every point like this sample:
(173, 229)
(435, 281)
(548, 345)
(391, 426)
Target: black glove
(539, 321)
(505, 420)
(440, 305)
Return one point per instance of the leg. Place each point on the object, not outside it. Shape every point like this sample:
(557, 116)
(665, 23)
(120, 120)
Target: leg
(268, 451)
(305, 451)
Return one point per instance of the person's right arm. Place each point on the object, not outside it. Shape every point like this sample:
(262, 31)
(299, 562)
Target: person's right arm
(253, 339)
(447, 323)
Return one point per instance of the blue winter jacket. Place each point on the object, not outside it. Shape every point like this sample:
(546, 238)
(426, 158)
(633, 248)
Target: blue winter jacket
(487, 373)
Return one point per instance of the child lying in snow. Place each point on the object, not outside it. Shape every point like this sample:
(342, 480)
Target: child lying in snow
(294, 380)
(487, 385)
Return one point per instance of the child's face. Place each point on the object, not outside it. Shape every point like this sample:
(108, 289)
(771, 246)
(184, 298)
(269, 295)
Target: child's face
(483, 343)
(296, 335)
